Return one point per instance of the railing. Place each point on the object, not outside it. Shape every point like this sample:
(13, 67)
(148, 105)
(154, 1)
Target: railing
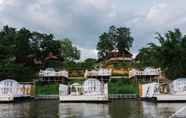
(122, 96)
(100, 72)
(146, 72)
(49, 97)
(45, 73)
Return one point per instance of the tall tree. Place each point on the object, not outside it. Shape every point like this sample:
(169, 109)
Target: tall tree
(7, 44)
(117, 38)
(69, 52)
(21, 50)
(121, 38)
(105, 45)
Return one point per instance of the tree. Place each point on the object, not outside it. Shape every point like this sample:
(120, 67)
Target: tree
(69, 52)
(104, 46)
(90, 63)
(121, 38)
(7, 44)
(169, 54)
(117, 38)
(22, 52)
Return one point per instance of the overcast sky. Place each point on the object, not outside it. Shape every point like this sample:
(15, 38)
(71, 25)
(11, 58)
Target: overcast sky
(84, 20)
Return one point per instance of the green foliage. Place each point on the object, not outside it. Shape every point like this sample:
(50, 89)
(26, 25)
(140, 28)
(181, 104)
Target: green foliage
(23, 53)
(57, 64)
(105, 45)
(47, 89)
(117, 38)
(118, 74)
(18, 72)
(77, 69)
(69, 52)
(169, 54)
(89, 63)
(122, 87)
(122, 64)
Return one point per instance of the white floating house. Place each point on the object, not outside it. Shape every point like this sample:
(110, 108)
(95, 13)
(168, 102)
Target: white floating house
(92, 89)
(8, 89)
(149, 90)
(177, 91)
(11, 89)
(101, 74)
(178, 86)
(146, 72)
(50, 75)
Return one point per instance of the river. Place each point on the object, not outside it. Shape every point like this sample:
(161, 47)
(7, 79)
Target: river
(114, 109)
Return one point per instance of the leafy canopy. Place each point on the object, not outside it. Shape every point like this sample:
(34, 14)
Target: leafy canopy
(116, 38)
(169, 54)
(23, 52)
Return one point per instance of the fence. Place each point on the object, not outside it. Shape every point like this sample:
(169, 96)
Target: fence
(122, 96)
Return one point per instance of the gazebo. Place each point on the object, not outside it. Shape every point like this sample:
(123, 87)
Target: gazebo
(75, 89)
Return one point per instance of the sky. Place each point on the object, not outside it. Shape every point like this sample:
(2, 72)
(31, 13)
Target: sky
(84, 20)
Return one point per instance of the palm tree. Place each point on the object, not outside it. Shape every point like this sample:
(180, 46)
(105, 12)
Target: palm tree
(169, 53)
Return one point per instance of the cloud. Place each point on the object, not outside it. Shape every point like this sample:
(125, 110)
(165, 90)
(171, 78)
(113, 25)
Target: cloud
(162, 16)
(87, 53)
(84, 20)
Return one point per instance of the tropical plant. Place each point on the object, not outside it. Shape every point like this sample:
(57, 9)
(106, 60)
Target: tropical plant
(169, 54)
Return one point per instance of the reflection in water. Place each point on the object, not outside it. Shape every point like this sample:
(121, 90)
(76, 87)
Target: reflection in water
(125, 109)
(32, 109)
(83, 110)
(160, 110)
(115, 109)
(14, 110)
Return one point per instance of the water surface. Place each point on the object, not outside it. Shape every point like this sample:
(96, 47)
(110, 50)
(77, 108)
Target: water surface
(115, 109)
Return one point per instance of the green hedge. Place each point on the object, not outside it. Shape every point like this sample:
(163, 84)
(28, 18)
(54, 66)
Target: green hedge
(47, 89)
(122, 87)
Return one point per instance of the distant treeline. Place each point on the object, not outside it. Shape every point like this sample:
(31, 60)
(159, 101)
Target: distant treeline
(23, 52)
(169, 53)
